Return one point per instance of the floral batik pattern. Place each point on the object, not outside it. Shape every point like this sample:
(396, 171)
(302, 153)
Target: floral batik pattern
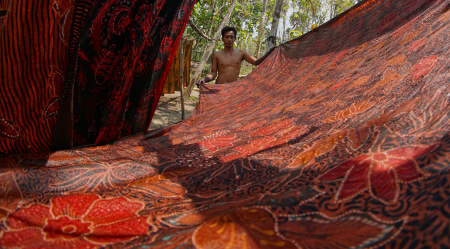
(339, 139)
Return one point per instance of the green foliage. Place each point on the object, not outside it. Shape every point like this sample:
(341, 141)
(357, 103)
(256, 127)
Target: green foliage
(309, 14)
(206, 70)
(302, 15)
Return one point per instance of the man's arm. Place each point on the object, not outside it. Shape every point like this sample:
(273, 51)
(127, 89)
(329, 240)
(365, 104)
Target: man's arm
(212, 74)
(252, 60)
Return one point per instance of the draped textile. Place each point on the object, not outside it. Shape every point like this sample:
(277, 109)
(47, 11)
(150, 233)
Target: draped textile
(83, 72)
(34, 37)
(124, 55)
(339, 139)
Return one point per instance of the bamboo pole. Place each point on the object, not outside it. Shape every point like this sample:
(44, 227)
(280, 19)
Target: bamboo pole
(181, 77)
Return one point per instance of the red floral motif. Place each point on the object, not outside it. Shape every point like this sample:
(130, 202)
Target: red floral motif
(55, 81)
(265, 143)
(245, 228)
(251, 125)
(64, 8)
(51, 109)
(8, 130)
(120, 20)
(158, 64)
(249, 149)
(424, 66)
(75, 221)
(341, 83)
(269, 129)
(310, 231)
(417, 44)
(380, 173)
(218, 142)
(167, 45)
(406, 27)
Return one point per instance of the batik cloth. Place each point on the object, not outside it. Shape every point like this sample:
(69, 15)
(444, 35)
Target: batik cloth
(83, 72)
(339, 139)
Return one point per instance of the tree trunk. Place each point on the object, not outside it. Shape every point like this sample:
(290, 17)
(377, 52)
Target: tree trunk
(283, 33)
(272, 41)
(261, 28)
(209, 50)
(210, 29)
(214, 3)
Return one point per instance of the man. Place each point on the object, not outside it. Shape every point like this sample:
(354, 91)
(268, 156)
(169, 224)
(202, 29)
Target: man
(227, 62)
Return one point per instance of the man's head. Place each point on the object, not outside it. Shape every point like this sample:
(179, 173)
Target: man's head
(227, 29)
(229, 36)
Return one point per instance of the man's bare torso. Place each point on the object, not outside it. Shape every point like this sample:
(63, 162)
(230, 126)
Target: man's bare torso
(228, 65)
(227, 62)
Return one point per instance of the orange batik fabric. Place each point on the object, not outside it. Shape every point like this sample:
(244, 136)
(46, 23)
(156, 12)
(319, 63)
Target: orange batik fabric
(339, 139)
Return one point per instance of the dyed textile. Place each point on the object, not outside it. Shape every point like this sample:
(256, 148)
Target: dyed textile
(123, 58)
(83, 72)
(338, 140)
(34, 37)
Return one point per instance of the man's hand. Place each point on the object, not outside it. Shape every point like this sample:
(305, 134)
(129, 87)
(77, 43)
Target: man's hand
(260, 60)
(201, 82)
(272, 49)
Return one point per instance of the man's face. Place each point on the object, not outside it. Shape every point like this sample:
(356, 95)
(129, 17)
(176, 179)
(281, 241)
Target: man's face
(228, 38)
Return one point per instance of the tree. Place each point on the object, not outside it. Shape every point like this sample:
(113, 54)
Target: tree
(209, 50)
(253, 20)
(272, 42)
(261, 28)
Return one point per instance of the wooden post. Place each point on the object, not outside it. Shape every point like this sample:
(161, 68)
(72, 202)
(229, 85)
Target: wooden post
(181, 77)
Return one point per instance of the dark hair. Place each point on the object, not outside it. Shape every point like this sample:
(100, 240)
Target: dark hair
(228, 28)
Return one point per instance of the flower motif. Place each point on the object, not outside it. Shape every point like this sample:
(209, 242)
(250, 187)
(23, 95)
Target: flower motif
(424, 66)
(216, 143)
(319, 231)
(75, 221)
(8, 130)
(120, 20)
(56, 82)
(380, 173)
(244, 228)
(417, 44)
(167, 45)
(273, 128)
(64, 9)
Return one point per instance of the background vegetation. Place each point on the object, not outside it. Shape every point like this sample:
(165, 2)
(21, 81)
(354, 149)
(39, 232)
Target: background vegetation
(297, 17)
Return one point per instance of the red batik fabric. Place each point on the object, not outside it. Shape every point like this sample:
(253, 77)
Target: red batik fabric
(34, 37)
(339, 139)
(104, 62)
(123, 58)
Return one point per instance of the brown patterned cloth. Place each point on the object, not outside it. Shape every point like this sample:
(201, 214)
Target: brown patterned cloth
(34, 37)
(338, 140)
(83, 72)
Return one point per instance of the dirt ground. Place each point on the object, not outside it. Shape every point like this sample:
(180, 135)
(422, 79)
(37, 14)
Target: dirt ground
(169, 109)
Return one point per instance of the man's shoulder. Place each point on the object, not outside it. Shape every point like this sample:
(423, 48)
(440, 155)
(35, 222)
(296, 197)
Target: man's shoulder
(243, 52)
(218, 53)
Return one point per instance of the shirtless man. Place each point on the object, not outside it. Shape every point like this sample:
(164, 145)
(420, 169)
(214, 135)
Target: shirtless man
(228, 60)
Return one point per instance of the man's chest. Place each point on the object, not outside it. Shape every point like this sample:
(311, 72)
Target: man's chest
(229, 61)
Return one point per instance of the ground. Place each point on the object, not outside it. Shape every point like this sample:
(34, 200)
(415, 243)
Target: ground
(169, 109)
